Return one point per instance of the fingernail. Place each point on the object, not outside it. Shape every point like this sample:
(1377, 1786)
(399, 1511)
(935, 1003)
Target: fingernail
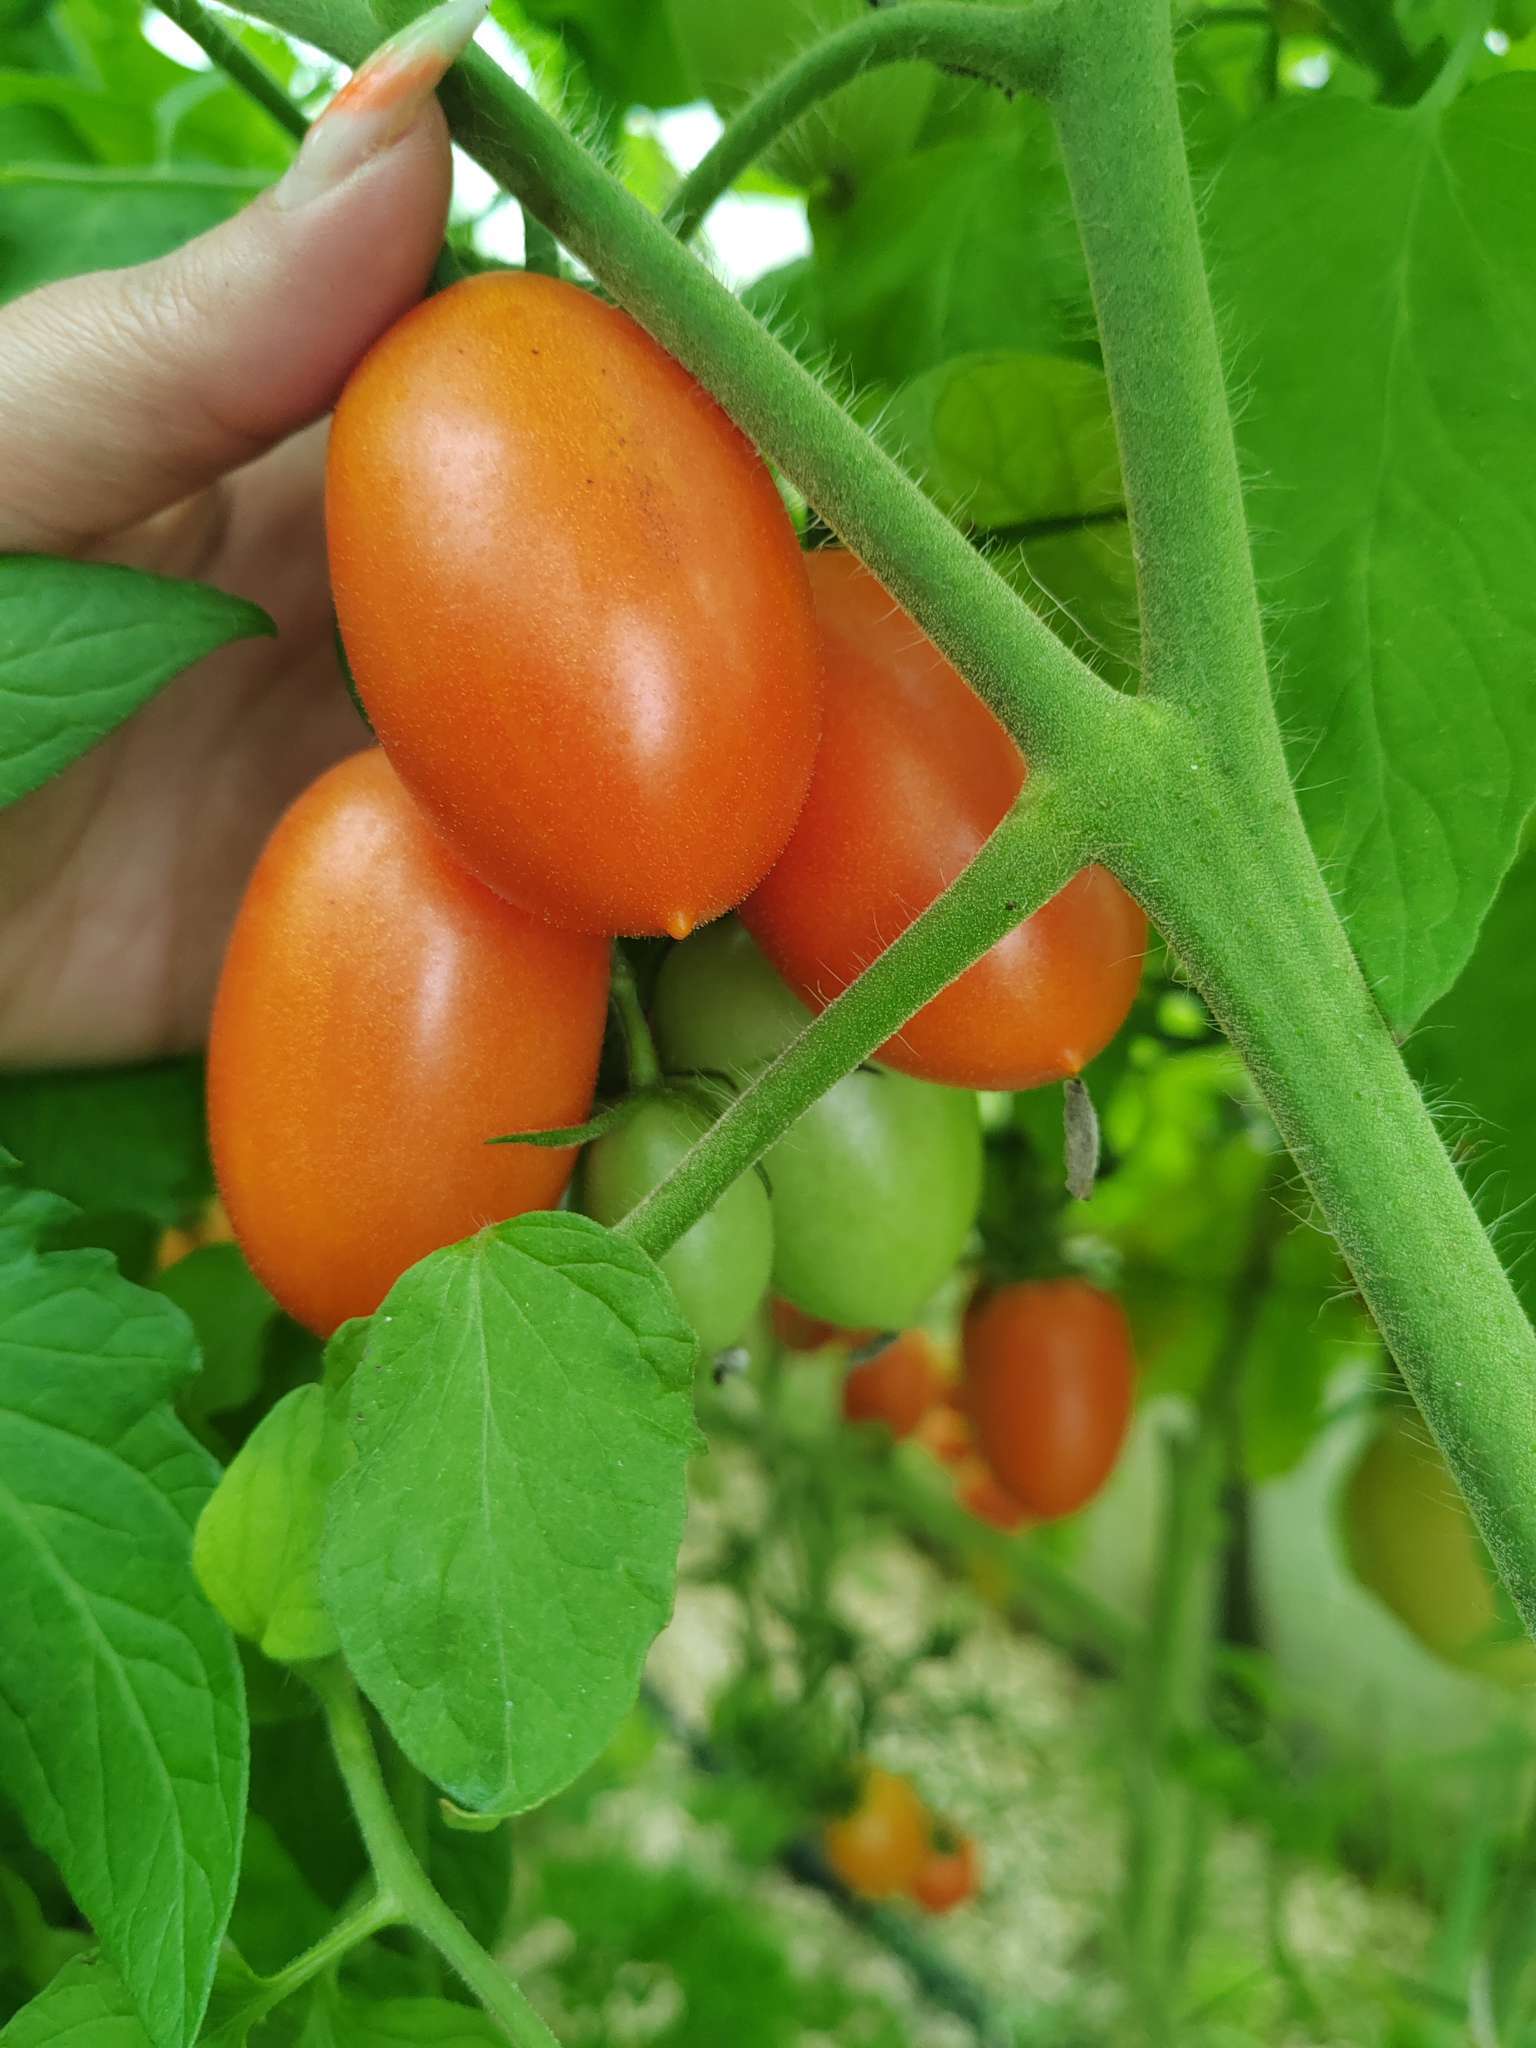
(380, 101)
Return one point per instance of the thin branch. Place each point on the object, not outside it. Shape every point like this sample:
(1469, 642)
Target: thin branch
(232, 57)
(1010, 47)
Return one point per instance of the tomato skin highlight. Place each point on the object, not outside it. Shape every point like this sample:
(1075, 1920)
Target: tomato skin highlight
(574, 607)
(879, 1848)
(898, 1386)
(1047, 1385)
(948, 1877)
(380, 1016)
(913, 774)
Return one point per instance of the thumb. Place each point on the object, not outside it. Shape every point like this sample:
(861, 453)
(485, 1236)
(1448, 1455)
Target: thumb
(127, 390)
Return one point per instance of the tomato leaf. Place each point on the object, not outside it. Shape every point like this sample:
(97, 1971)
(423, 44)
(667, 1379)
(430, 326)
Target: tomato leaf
(503, 1550)
(121, 1715)
(86, 643)
(937, 256)
(400, 2022)
(1390, 498)
(113, 1140)
(1473, 1056)
(87, 2005)
(61, 219)
(1007, 439)
(608, 1118)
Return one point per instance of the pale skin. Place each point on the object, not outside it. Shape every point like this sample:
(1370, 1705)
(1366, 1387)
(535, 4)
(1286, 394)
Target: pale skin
(172, 417)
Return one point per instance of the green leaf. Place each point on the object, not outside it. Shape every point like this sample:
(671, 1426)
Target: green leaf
(1007, 439)
(969, 246)
(1082, 581)
(1378, 273)
(626, 45)
(1472, 1055)
(503, 1550)
(58, 220)
(121, 1717)
(257, 1548)
(277, 1915)
(86, 643)
(86, 2006)
(232, 1314)
(113, 1140)
(385, 2022)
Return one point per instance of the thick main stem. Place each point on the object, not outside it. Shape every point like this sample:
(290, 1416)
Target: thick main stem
(1117, 117)
(1276, 969)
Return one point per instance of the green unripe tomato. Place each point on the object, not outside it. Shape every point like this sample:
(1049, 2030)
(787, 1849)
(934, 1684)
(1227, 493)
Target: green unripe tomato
(734, 48)
(719, 1269)
(875, 1190)
(1411, 1542)
(256, 1550)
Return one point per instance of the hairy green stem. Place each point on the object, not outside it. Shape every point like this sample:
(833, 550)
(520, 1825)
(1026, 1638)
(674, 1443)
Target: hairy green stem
(639, 1048)
(1274, 964)
(401, 1876)
(1117, 118)
(1012, 47)
(232, 57)
(338, 1942)
(1032, 853)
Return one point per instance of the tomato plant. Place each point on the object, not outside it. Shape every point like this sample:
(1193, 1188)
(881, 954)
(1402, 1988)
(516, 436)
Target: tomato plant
(381, 1018)
(617, 738)
(860, 1239)
(719, 1269)
(879, 1846)
(1047, 1384)
(885, 559)
(913, 773)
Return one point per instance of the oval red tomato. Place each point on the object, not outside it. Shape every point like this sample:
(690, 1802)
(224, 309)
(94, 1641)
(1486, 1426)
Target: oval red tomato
(380, 1016)
(948, 1877)
(878, 1848)
(913, 774)
(574, 607)
(898, 1386)
(1047, 1385)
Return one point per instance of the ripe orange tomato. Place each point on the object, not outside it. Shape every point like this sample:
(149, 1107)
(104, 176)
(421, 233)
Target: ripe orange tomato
(878, 1848)
(948, 1877)
(1047, 1384)
(945, 1434)
(574, 607)
(913, 774)
(897, 1386)
(978, 1489)
(380, 1016)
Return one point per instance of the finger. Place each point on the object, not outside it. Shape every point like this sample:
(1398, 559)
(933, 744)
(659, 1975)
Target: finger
(128, 389)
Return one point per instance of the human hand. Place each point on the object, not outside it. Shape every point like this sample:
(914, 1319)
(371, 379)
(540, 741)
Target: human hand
(165, 417)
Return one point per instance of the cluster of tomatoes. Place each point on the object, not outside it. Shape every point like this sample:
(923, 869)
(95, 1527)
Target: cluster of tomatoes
(1032, 1423)
(889, 1845)
(614, 698)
